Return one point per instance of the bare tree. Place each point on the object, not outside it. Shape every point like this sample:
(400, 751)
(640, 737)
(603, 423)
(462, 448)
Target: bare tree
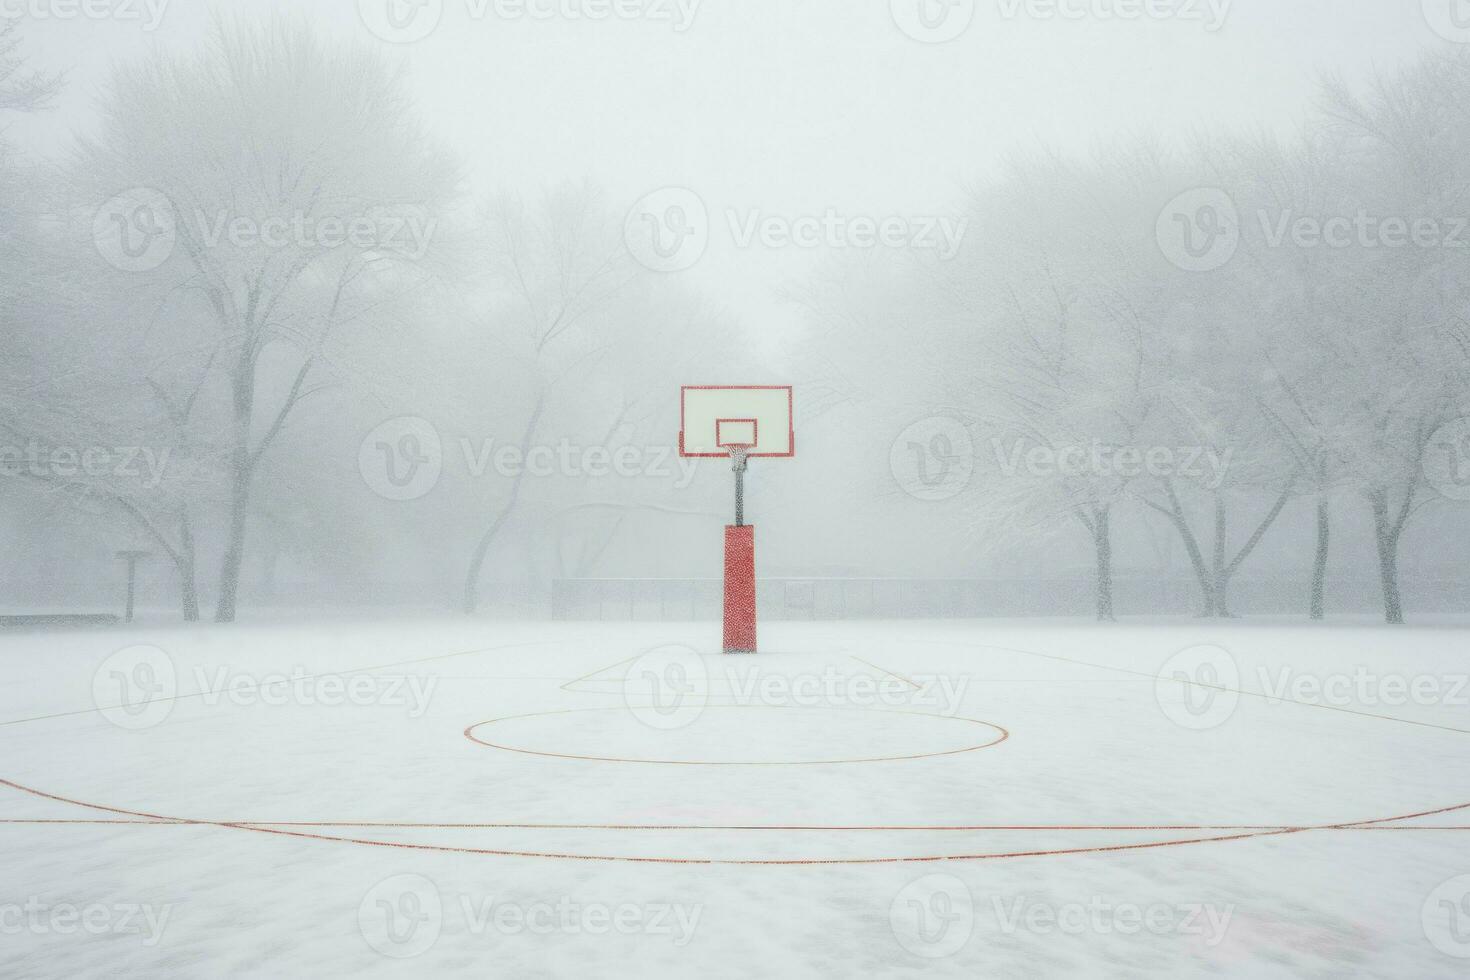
(22, 88)
(304, 198)
(554, 271)
(1403, 310)
(1305, 359)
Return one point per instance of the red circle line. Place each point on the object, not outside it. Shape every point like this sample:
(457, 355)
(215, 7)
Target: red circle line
(469, 733)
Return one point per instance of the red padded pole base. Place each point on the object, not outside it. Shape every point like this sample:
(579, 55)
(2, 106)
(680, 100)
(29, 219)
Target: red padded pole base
(740, 589)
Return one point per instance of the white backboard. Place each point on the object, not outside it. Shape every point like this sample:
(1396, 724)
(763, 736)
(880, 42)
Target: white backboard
(714, 419)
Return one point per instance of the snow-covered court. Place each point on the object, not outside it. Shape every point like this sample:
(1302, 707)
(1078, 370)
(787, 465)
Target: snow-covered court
(426, 798)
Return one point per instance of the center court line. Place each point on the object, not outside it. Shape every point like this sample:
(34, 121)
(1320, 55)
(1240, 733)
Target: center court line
(765, 862)
(909, 828)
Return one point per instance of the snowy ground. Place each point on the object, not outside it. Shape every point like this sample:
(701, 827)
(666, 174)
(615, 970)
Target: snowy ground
(552, 799)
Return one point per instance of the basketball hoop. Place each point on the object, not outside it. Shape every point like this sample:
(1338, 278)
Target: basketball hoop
(742, 423)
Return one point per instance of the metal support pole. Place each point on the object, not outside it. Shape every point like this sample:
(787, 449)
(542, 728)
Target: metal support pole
(741, 460)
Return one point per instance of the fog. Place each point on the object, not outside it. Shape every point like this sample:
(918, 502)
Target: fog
(1090, 308)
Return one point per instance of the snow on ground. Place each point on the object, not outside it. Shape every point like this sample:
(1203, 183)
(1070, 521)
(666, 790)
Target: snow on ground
(965, 799)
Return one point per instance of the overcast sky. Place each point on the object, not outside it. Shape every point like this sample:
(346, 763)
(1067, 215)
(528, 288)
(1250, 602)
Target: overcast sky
(792, 107)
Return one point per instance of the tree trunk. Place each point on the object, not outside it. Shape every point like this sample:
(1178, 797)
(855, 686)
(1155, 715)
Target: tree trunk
(1222, 572)
(242, 471)
(188, 585)
(182, 556)
(1175, 513)
(1214, 580)
(1319, 567)
(1103, 538)
(1225, 570)
(1388, 561)
(229, 581)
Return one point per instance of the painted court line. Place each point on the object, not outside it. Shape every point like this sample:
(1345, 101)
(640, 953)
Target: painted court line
(1219, 834)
